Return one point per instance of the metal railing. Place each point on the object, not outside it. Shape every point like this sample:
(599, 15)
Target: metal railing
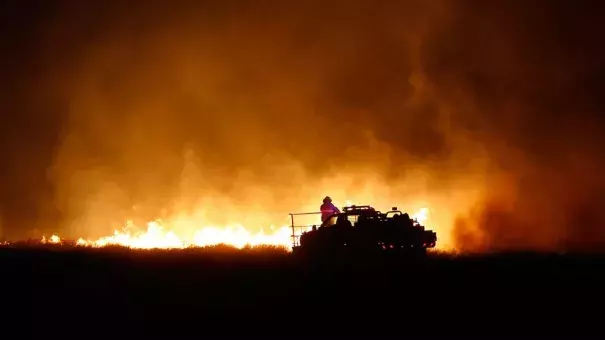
(300, 228)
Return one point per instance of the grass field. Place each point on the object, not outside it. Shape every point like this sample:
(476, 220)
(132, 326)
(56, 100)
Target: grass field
(220, 288)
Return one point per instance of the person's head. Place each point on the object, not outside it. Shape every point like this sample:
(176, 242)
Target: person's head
(327, 199)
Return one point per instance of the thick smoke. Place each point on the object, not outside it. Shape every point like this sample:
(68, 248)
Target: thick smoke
(527, 79)
(238, 111)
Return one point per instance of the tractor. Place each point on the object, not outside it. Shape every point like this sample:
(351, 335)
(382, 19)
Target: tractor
(363, 230)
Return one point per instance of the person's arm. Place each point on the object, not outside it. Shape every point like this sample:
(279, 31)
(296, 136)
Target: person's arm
(336, 209)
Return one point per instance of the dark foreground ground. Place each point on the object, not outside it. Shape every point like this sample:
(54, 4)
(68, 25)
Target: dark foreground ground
(266, 293)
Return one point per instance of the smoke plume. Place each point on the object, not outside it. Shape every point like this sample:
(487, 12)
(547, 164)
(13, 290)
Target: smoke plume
(234, 111)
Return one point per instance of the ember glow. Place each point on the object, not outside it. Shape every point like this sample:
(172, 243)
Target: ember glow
(157, 236)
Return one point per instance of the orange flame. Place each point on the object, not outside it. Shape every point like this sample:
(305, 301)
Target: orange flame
(156, 236)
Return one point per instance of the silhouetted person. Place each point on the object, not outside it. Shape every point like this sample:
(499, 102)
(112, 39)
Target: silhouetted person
(328, 209)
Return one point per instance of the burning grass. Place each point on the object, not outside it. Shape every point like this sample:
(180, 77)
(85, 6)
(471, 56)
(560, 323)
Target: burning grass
(219, 250)
(279, 251)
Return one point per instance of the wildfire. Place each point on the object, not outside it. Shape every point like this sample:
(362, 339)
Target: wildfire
(54, 239)
(156, 236)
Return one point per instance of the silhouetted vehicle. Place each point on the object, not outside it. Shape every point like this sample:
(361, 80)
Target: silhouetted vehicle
(363, 230)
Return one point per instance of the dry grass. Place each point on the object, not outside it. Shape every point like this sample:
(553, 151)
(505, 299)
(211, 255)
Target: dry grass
(222, 285)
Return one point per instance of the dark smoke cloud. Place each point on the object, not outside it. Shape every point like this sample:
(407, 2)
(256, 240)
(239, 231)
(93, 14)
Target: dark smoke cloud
(486, 111)
(532, 73)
